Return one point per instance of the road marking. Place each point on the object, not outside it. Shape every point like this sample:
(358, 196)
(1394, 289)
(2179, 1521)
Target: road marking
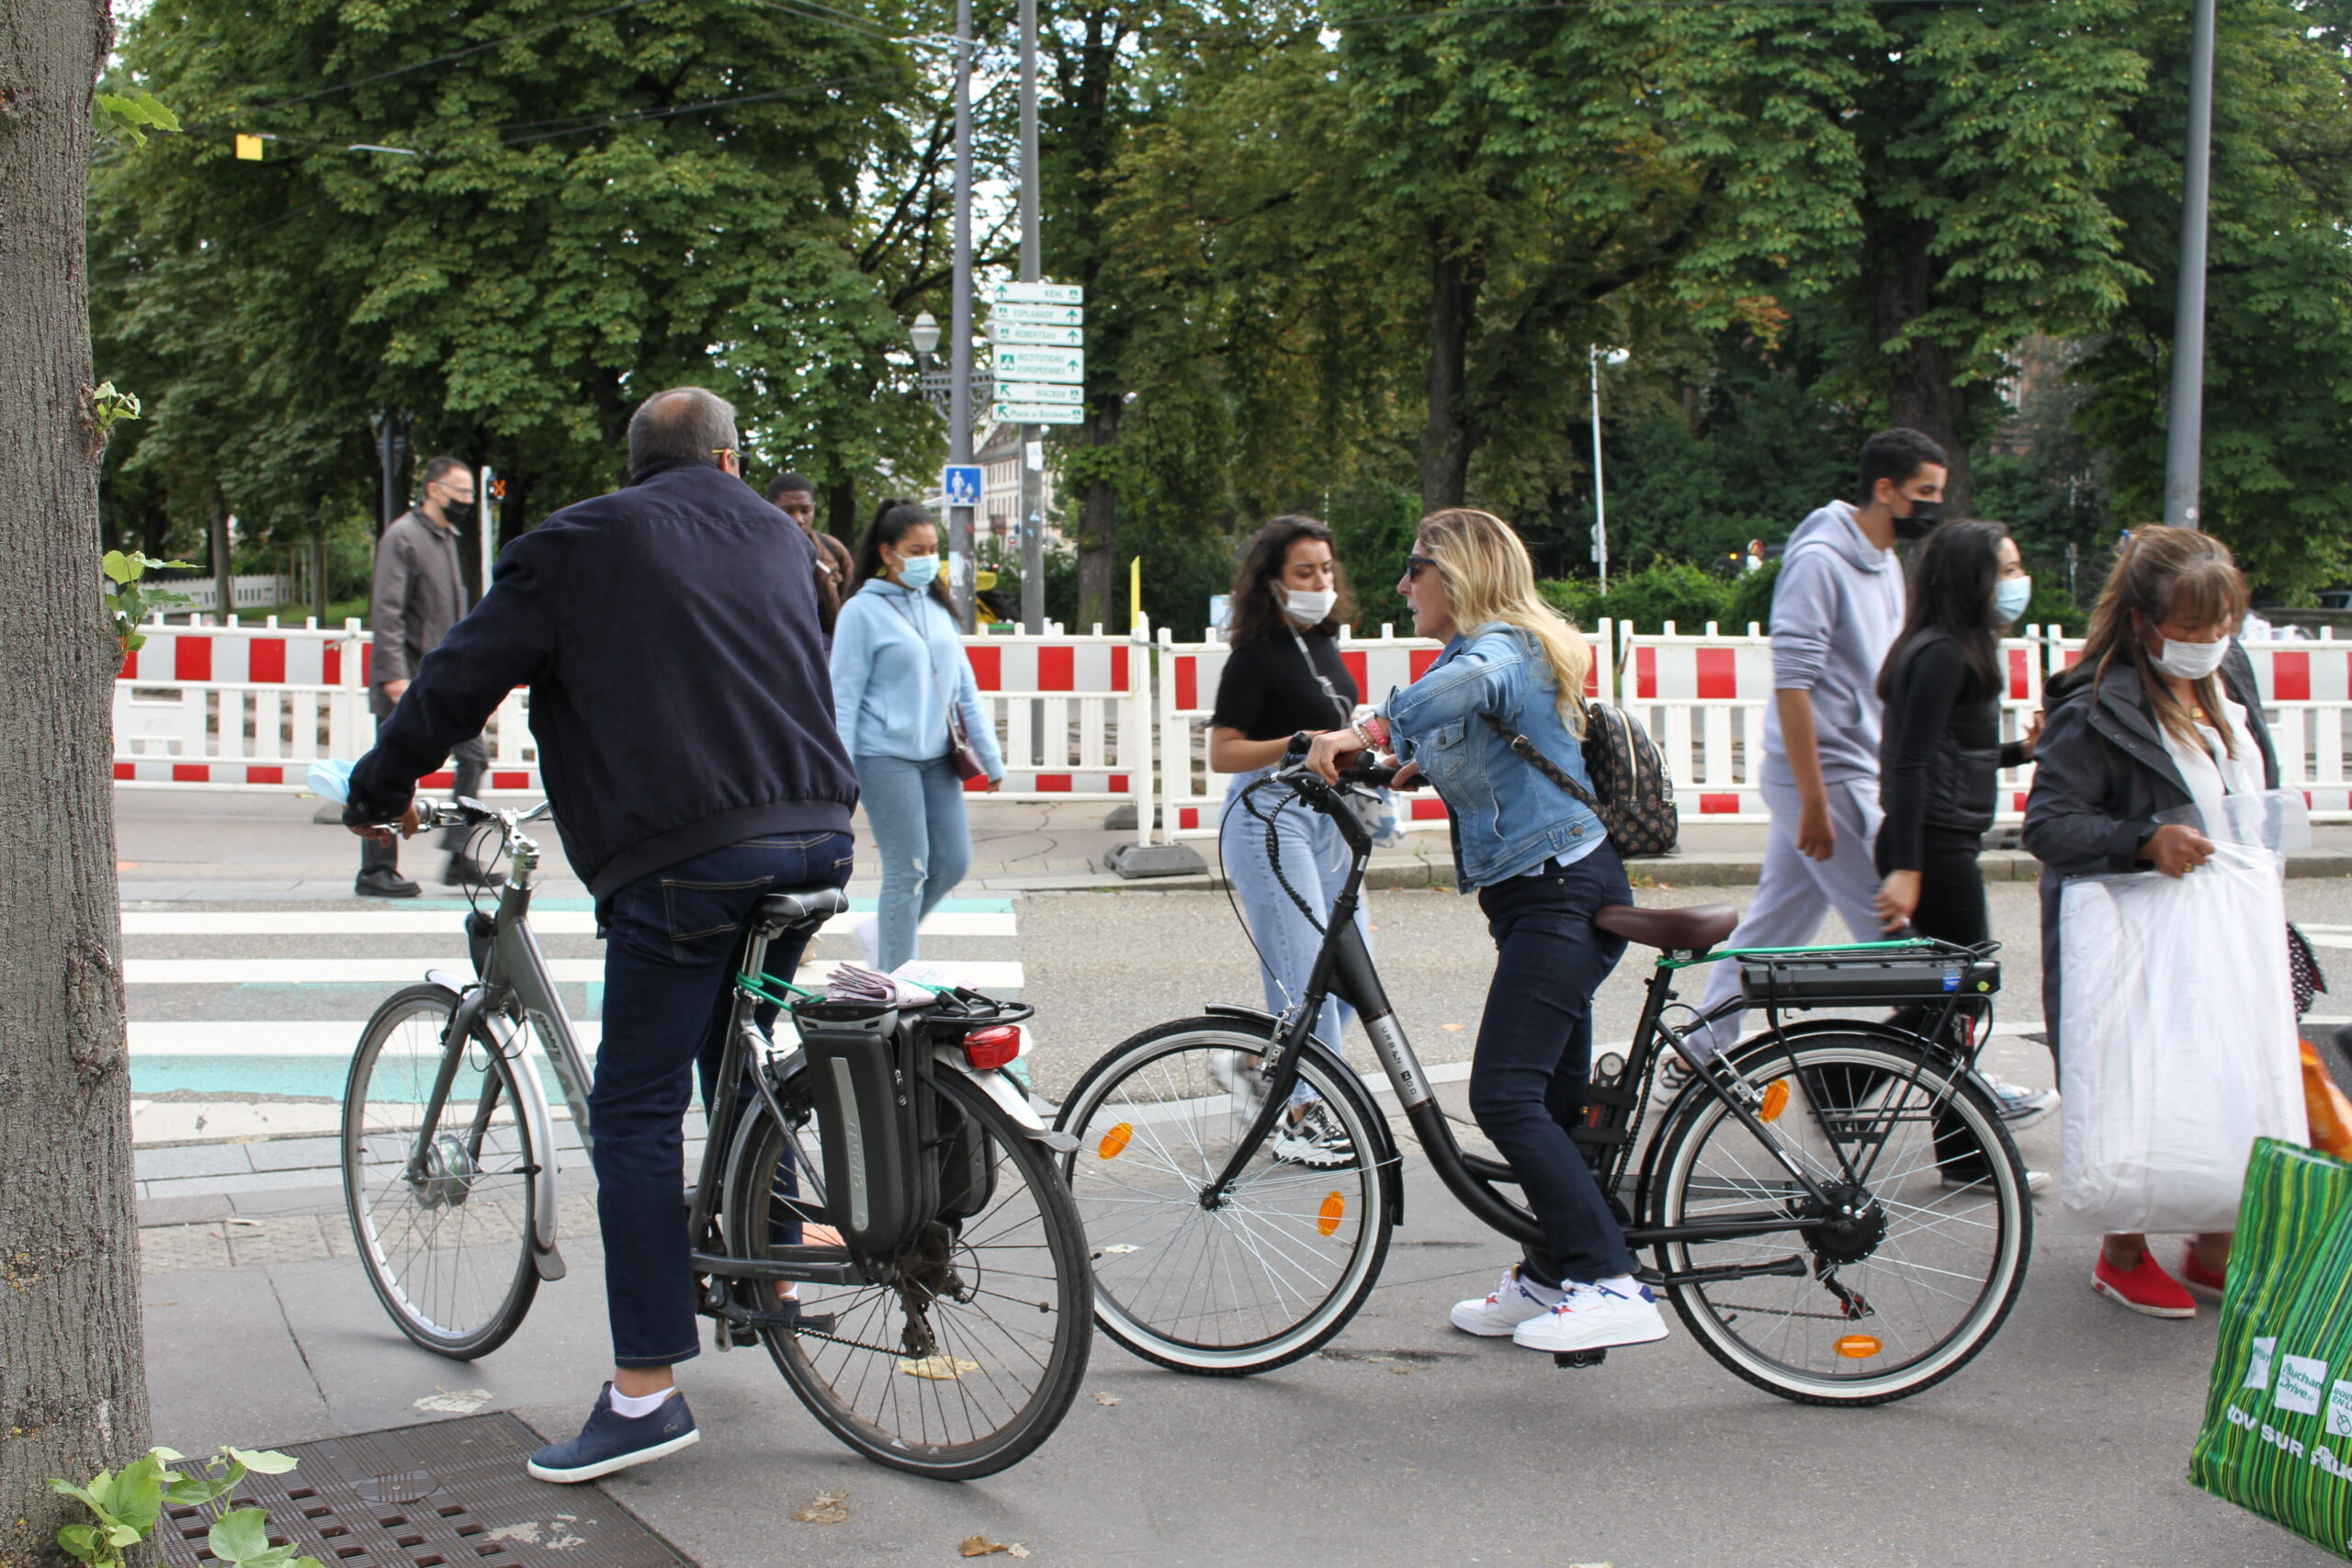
(442, 922)
(979, 973)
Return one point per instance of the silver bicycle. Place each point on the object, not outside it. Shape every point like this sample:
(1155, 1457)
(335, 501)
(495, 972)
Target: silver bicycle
(936, 1319)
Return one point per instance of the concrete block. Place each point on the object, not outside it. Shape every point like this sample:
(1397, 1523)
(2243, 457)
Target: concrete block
(297, 1153)
(192, 1159)
(1155, 860)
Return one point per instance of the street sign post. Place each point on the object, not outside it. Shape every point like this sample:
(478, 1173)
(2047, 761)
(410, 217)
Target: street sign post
(961, 483)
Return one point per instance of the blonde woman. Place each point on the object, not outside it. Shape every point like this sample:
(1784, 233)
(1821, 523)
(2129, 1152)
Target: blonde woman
(1541, 865)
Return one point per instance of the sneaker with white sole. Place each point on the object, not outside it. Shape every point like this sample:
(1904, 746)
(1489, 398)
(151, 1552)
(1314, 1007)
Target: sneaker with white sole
(1674, 1075)
(867, 931)
(1514, 1301)
(1313, 1137)
(611, 1441)
(2020, 1106)
(1595, 1317)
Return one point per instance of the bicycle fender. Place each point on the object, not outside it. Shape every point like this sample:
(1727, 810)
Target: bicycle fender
(539, 1127)
(1392, 1164)
(1009, 1098)
(446, 981)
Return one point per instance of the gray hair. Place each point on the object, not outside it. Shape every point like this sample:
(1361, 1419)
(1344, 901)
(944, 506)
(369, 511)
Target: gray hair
(681, 425)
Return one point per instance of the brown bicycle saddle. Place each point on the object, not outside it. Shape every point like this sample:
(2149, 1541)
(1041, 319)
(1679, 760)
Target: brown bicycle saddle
(1695, 929)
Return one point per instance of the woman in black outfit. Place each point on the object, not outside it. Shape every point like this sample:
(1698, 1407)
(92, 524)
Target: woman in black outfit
(1941, 749)
(1942, 746)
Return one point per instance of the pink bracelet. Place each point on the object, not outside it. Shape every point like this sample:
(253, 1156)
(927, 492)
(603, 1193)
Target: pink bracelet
(1373, 732)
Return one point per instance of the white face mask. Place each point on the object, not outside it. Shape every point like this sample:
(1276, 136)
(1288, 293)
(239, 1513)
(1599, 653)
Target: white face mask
(1309, 609)
(2191, 660)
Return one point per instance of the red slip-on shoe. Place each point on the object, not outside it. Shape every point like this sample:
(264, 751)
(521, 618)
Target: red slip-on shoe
(2146, 1289)
(2200, 1281)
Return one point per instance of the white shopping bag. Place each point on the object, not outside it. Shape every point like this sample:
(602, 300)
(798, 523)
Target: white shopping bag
(2177, 1040)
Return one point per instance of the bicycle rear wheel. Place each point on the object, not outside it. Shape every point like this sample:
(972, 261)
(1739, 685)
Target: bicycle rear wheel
(967, 1363)
(1278, 1268)
(447, 1247)
(1890, 1301)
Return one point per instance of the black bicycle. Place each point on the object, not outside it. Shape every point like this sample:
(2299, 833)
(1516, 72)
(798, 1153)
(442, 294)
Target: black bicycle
(1835, 1206)
(878, 1205)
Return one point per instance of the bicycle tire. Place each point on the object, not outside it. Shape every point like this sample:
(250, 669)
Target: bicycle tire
(893, 1422)
(1866, 1064)
(1134, 1304)
(454, 1295)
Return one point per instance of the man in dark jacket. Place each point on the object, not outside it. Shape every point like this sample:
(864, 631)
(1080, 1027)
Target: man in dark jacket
(680, 698)
(796, 497)
(420, 593)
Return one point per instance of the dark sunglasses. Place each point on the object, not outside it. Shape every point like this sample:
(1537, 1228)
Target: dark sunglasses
(1413, 565)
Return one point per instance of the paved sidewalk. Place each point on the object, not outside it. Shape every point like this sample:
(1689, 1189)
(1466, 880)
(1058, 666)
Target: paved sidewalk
(178, 846)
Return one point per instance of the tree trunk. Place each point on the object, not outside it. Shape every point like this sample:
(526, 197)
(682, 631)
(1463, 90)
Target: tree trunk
(72, 1375)
(1098, 530)
(1920, 393)
(1447, 440)
(841, 511)
(318, 573)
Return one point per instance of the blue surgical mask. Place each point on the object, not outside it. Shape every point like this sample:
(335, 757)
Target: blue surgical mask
(2010, 596)
(917, 571)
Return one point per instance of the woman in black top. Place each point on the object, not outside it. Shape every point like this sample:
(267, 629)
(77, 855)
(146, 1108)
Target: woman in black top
(1942, 746)
(1284, 675)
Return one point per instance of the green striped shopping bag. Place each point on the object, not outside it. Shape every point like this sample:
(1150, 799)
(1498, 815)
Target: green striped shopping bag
(2278, 1431)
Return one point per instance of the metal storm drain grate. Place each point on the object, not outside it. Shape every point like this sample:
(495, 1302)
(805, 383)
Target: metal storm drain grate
(445, 1495)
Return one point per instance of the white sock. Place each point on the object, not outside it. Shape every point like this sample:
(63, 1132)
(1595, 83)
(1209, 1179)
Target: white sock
(637, 1406)
(1621, 1284)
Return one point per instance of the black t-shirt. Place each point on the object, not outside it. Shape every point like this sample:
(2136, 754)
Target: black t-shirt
(1268, 694)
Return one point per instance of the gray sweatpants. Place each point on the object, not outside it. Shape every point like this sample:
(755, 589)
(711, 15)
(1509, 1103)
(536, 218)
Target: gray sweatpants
(1795, 892)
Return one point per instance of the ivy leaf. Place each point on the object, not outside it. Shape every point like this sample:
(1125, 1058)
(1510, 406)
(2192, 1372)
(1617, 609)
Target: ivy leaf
(117, 566)
(263, 1461)
(241, 1536)
(79, 1541)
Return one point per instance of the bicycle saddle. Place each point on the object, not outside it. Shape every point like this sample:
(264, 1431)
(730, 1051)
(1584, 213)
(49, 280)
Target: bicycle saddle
(808, 906)
(1694, 930)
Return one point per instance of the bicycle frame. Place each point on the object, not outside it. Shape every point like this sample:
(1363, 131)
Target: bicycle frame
(1343, 968)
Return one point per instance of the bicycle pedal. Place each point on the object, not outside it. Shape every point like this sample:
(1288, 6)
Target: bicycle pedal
(1566, 1359)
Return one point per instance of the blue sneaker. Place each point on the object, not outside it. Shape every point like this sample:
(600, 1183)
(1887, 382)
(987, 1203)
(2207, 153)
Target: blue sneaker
(612, 1441)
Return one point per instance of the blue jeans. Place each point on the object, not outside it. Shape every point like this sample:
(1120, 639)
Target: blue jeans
(1535, 1053)
(916, 813)
(1315, 863)
(670, 943)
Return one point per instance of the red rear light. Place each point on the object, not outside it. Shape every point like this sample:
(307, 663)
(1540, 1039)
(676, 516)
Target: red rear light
(996, 1047)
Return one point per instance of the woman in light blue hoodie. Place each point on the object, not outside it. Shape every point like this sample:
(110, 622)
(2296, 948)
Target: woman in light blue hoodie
(898, 671)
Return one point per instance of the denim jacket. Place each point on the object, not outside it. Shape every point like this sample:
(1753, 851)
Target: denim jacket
(1508, 818)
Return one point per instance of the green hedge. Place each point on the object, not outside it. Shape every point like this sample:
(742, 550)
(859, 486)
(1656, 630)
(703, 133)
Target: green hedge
(1688, 595)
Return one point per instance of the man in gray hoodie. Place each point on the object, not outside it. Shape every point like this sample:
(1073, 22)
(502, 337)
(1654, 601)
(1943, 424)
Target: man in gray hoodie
(1837, 607)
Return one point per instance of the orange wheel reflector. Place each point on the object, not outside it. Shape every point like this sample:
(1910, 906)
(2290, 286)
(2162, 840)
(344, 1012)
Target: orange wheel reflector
(1334, 1210)
(1858, 1347)
(1776, 1100)
(1114, 1142)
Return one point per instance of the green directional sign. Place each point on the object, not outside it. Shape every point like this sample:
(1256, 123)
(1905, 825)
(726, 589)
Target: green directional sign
(1041, 364)
(1037, 414)
(1040, 392)
(1042, 315)
(1033, 294)
(1021, 332)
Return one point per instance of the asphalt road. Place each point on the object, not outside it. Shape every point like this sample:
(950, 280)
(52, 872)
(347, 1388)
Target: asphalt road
(1403, 1444)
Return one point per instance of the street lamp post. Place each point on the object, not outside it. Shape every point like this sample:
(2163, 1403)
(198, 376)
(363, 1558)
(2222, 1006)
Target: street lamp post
(2185, 420)
(960, 562)
(1600, 504)
(937, 384)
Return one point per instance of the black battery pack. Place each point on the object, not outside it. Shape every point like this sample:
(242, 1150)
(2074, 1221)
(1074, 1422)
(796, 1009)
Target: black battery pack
(1806, 980)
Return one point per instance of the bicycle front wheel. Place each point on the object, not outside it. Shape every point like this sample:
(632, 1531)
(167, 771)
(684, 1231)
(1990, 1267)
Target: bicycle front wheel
(1273, 1271)
(966, 1361)
(1902, 1289)
(443, 1221)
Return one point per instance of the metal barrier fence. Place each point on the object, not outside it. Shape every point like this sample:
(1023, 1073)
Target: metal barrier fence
(1098, 718)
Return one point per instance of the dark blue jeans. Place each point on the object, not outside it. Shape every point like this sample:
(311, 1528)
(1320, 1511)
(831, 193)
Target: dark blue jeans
(670, 942)
(1535, 1052)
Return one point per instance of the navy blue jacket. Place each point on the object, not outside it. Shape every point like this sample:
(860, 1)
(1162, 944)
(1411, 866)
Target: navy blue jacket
(679, 691)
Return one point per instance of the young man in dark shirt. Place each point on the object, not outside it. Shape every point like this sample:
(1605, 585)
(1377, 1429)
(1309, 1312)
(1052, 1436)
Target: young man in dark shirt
(796, 497)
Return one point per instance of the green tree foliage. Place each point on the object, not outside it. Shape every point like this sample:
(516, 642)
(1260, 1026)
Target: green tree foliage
(2277, 470)
(587, 204)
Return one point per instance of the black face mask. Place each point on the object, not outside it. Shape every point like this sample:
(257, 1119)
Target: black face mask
(457, 512)
(1924, 516)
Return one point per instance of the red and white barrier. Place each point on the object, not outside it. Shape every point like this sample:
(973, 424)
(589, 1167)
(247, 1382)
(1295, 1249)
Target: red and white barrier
(1072, 714)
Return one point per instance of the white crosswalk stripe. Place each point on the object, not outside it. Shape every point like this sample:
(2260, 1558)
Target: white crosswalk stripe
(231, 1036)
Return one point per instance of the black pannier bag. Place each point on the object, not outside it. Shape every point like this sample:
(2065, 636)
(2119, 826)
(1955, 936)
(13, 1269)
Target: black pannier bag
(872, 1090)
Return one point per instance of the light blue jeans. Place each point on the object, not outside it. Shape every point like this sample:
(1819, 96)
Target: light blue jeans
(916, 810)
(1315, 862)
